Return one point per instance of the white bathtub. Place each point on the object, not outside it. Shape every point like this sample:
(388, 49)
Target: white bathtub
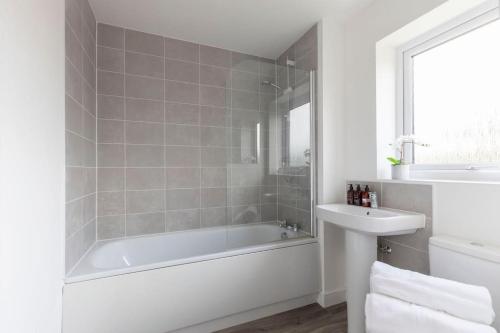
(190, 281)
(113, 257)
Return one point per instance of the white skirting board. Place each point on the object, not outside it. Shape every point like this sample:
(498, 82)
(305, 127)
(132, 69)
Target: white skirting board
(329, 298)
(177, 297)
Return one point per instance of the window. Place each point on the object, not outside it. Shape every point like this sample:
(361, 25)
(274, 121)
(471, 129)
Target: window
(451, 97)
(299, 136)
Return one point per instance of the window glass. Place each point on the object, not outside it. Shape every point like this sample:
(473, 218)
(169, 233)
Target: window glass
(456, 99)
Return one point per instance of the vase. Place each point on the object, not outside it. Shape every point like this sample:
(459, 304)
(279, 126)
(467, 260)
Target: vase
(401, 171)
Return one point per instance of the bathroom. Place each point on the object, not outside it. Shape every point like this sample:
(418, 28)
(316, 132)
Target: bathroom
(184, 166)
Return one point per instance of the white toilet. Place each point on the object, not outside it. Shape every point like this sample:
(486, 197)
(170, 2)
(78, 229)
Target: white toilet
(467, 262)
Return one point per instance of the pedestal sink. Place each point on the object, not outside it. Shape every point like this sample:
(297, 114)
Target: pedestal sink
(362, 226)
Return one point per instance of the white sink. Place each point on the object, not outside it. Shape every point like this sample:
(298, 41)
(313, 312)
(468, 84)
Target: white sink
(380, 222)
(362, 226)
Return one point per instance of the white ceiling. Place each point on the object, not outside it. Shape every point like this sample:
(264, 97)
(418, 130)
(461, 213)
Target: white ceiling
(259, 27)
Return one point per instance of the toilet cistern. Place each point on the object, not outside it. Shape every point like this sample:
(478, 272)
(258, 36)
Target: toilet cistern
(362, 226)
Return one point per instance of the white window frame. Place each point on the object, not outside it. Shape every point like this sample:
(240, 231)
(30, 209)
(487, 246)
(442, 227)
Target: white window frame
(461, 25)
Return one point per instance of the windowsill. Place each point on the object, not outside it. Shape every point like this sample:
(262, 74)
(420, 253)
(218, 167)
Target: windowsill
(465, 176)
(438, 178)
(427, 181)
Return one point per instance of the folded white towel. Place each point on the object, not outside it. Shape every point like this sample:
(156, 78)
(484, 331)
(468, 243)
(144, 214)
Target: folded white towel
(432, 298)
(473, 293)
(458, 299)
(389, 315)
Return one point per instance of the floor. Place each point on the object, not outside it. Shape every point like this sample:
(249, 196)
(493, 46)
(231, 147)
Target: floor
(308, 319)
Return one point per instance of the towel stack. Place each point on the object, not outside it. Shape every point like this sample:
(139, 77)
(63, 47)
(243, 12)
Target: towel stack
(405, 301)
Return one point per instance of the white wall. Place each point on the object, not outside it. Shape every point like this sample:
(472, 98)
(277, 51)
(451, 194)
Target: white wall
(362, 32)
(477, 218)
(31, 165)
(331, 143)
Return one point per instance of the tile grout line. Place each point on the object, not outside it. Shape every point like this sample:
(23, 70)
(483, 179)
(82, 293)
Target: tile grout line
(229, 166)
(192, 83)
(124, 134)
(199, 134)
(95, 138)
(164, 138)
(187, 61)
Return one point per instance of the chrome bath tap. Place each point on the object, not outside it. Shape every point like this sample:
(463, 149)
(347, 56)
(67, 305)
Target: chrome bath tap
(284, 224)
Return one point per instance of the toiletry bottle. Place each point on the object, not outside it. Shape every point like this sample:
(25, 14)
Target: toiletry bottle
(373, 200)
(357, 195)
(350, 195)
(365, 197)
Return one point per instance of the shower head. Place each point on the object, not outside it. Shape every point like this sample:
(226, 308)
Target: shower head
(272, 84)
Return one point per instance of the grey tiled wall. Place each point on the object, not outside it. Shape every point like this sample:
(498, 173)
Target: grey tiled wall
(294, 194)
(80, 130)
(408, 251)
(174, 122)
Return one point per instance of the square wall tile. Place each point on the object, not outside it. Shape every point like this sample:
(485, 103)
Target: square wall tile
(145, 178)
(214, 197)
(214, 157)
(110, 179)
(110, 227)
(79, 243)
(182, 219)
(213, 96)
(110, 107)
(244, 62)
(110, 155)
(245, 100)
(110, 59)
(110, 131)
(110, 203)
(215, 136)
(111, 36)
(215, 56)
(179, 178)
(74, 216)
(181, 50)
(110, 83)
(407, 258)
(182, 135)
(73, 116)
(176, 157)
(144, 156)
(144, 65)
(178, 70)
(411, 197)
(245, 81)
(182, 199)
(214, 217)
(144, 110)
(215, 76)
(245, 214)
(214, 177)
(215, 116)
(147, 201)
(143, 43)
(178, 113)
(143, 87)
(149, 223)
(181, 92)
(144, 133)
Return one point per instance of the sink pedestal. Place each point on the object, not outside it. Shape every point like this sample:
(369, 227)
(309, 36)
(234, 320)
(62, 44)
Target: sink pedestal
(362, 226)
(361, 253)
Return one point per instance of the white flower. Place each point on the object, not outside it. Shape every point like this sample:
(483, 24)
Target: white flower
(400, 142)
